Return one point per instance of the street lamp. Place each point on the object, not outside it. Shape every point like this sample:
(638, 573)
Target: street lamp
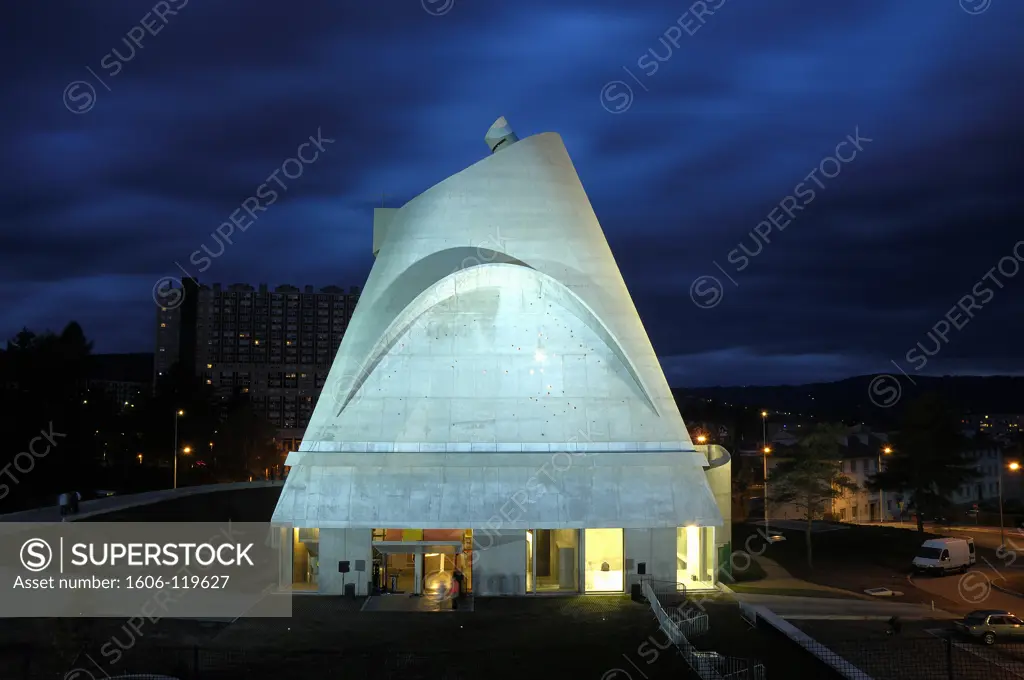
(701, 439)
(764, 458)
(187, 450)
(764, 446)
(177, 414)
(1014, 467)
(881, 492)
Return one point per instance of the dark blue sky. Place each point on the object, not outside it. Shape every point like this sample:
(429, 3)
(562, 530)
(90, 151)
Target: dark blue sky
(746, 101)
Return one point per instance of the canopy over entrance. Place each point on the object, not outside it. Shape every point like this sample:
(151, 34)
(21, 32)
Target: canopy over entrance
(419, 547)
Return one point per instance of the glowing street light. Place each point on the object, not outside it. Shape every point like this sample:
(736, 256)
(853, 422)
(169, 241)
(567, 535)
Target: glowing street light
(177, 414)
(701, 439)
(1013, 467)
(881, 492)
(764, 458)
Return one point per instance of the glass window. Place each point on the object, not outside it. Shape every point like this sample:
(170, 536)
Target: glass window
(553, 560)
(604, 564)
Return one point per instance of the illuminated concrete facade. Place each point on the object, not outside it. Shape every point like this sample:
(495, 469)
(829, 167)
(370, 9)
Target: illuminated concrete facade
(496, 377)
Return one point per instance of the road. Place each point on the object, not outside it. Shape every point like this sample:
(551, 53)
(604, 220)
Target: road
(918, 653)
(1002, 660)
(984, 537)
(973, 590)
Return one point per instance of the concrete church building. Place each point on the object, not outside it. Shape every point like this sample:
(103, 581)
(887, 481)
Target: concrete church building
(496, 404)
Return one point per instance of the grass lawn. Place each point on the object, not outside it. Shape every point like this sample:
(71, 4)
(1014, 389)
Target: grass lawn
(751, 572)
(854, 558)
(556, 637)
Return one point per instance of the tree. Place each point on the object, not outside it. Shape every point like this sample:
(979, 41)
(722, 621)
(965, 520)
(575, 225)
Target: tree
(43, 385)
(244, 444)
(745, 481)
(812, 478)
(927, 459)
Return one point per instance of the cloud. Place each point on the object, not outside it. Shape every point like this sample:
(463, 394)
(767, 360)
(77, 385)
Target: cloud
(96, 207)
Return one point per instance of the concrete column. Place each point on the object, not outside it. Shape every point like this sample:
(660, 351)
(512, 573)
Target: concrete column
(286, 558)
(417, 583)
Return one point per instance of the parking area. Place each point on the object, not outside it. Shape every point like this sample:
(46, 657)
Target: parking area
(925, 650)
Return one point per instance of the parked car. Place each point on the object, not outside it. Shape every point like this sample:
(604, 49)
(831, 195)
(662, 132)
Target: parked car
(944, 555)
(989, 625)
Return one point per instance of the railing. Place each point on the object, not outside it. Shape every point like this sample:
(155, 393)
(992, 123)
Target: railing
(708, 665)
(694, 623)
(668, 593)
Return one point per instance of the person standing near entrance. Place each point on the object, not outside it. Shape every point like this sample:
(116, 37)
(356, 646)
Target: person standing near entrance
(457, 578)
(455, 593)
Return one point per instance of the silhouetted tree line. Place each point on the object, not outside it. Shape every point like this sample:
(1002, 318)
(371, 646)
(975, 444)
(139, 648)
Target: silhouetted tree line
(60, 435)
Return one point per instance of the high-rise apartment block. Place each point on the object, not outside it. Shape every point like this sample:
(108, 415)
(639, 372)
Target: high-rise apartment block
(276, 345)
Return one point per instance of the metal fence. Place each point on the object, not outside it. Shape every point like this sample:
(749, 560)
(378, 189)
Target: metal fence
(709, 665)
(160, 662)
(668, 593)
(937, 656)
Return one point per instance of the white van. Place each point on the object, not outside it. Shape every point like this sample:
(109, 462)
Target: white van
(943, 555)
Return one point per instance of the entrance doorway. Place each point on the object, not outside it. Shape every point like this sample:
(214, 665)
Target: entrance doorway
(552, 561)
(695, 559)
(420, 563)
(400, 572)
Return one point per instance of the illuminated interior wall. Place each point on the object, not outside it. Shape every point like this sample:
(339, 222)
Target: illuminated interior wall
(555, 554)
(695, 556)
(709, 554)
(437, 573)
(305, 558)
(443, 534)
(529, 562)
(603, 557)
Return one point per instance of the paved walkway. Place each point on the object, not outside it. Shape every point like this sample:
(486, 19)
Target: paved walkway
(102, 506)
(413, 603)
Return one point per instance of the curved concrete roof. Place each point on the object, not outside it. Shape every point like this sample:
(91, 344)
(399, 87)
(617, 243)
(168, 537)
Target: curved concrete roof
(495, 334)
(441, 256)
